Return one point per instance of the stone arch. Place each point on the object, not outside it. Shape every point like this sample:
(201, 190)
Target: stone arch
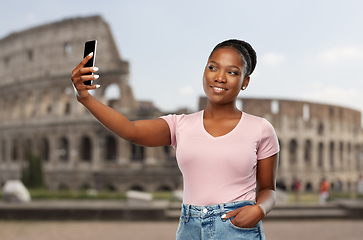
(16, 109)
(110, 187)
(3, 150)
(28, 146)
(85, 149)
(111, 148)
(349, 154)
(45, 103)
(164, 188)
(169, 154)
(14, 150)
(280, 183)
(29, 108)
(321, 129)
(320, 155)
(137, 187)
(293, 146)
(308, 187)
(358, 156)
(341, 154)
(137, 152)
(112, 91)
(5, 110)
(65, 102)
(307, 151)
(63, 149)
(44, 149)
(331, 154)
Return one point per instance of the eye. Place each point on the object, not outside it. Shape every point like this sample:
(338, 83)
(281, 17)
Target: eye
(211, 67)
(234, 73)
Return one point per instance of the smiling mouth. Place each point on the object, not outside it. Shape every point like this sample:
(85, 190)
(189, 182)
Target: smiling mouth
(218, 89)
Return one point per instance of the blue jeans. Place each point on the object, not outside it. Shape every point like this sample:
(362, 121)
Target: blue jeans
(205, 222)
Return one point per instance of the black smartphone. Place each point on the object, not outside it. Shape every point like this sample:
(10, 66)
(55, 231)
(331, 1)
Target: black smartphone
(90, 46)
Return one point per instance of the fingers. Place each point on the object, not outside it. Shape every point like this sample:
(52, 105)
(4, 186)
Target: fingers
(88, 70)
(79, 77)
(79, 82)
(82, 63)
(88, 87)
(247, 217)
(231, 214)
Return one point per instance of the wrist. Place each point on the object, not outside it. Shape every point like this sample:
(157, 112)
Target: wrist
(262, 210)
(82, 98)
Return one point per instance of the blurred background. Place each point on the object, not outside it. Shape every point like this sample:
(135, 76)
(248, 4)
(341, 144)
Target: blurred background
(151, 56)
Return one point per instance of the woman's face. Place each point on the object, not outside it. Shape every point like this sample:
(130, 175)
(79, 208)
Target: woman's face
(224, 76)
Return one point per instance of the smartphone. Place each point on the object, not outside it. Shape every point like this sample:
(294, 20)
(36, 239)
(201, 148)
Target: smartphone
(90, 46)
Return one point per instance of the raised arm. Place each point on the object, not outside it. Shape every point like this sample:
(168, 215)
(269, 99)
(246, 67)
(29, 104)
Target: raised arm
(150, 133)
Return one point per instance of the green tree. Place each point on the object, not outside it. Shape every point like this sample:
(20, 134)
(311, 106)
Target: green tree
(32, 173)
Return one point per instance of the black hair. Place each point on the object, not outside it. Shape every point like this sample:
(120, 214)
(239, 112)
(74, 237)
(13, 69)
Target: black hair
(245, 49)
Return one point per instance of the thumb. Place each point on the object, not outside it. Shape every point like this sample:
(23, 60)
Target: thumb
(231, 214)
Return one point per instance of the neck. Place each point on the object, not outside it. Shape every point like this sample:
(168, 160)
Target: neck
(221, 111)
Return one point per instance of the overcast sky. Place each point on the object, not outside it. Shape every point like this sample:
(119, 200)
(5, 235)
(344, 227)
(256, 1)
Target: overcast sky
(307, 49)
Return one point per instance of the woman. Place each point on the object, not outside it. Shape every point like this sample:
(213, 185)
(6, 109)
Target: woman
(228, 158)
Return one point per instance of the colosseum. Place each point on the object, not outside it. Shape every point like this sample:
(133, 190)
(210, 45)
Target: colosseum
(39, 114)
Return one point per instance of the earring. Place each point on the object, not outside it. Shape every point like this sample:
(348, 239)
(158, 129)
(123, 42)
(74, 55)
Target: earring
(243, 87)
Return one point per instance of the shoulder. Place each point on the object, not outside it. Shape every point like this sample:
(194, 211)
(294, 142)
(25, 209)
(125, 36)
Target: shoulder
(259, 124)
(176, 119)
(256, 120)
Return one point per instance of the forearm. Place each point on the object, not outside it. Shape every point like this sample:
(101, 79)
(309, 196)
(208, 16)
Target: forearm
(110, 118)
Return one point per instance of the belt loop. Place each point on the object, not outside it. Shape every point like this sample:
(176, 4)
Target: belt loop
(187, 213)
(221, 206)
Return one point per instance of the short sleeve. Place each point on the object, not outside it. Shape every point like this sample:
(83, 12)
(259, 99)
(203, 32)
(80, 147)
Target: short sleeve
(269, 144)
(171, 120)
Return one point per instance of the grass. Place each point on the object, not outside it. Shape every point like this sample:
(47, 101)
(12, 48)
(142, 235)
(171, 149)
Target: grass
(314, 197)
(303, 197)
(43, 194)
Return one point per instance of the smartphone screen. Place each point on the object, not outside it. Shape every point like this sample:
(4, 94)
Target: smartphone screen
(90, 46)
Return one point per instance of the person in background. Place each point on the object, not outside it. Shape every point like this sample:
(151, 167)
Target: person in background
(296, 188)
(324, 191)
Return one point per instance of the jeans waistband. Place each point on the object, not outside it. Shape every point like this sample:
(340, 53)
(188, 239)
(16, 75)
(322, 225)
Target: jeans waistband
(210, 210)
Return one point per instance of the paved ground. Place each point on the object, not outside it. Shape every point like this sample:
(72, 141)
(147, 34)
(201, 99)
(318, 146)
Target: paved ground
(275, 230)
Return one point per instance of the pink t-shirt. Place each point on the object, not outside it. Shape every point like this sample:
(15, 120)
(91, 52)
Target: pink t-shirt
(220, 169)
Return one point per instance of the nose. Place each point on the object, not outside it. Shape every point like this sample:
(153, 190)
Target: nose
(220, 77)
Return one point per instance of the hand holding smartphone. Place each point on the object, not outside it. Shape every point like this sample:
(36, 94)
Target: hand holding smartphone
(90, 46)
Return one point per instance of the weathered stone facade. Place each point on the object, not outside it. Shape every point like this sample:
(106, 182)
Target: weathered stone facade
(39, 112)
(316, 141)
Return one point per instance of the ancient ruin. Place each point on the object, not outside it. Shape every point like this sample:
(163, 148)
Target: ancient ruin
(39, 113)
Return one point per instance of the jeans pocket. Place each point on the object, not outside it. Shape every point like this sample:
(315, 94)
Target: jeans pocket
(253, 229)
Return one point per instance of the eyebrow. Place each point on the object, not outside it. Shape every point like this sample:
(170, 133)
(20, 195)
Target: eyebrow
(232, 66)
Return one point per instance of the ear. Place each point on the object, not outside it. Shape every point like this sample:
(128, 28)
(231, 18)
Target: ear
(245, 83)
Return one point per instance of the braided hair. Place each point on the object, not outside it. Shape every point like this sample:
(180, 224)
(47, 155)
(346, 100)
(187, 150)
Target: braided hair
(245, 49)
